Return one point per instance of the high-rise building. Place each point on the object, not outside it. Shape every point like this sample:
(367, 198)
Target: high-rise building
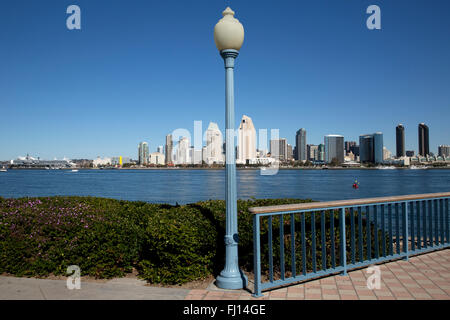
(355, 150)
(334, 148)
(312, 152)
(321, 152)
(247, 140)
(300, 145)
(371, 148)
(289, 153)
(444, 151)
(378, 147)
(143, 153)
(386, 154)
(366, 148)
(278, 149)
(349, 145)
(160, 149)
(183, 150)
(214, 143)
(169, 149)
(424, 145)
(156, 158)
(400, 140)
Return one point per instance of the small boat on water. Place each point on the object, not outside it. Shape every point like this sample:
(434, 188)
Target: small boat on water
(3, 170)
(417, 168)
(74, 170)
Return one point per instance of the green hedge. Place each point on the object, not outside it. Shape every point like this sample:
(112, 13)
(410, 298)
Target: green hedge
(108, 238)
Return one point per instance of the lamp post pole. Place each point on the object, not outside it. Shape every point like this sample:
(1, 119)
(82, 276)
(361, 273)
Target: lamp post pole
(229, 43)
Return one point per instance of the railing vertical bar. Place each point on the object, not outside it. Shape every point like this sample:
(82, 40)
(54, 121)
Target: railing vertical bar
(391, 245)
(405, 228)
(375, 211)
(324, 244)
(383, 230)
(333, 246)
(360, 235)
(425, 227)
(313, 234)
(419, 232)
(368, 231)
(293, 269)
(397, 236)
(436, 224)
(352, 231)
(447, 220)
(303, 244)
(411, 220)
(441, 224)
(343, 244)
(430, 218)
(269, 242)
(256, 256)
(282, 265)
(447, 214)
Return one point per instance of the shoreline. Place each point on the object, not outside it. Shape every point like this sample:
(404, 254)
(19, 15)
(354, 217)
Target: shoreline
(222, 168)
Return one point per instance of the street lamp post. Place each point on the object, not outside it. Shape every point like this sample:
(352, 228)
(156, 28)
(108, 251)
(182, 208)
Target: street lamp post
(229, 36)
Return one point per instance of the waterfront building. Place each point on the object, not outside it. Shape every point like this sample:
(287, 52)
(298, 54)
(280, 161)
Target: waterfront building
(278, 149)
(300, 144)
(386, 154)
(321, 152)
(214, 143)
(371, 148)
(101, 162)
(143, 153)
(312, 152)
(120, 161)
(157, 158)
(444, 151)
(355, 150)
(410, 153)
(169, 149)
(247, 140)
(424, 143)
(400, 140)
(196, 155)
(183, 151)
(334, 148)
(349, 145)
(289, 152)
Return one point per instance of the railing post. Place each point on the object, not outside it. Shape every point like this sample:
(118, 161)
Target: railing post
(343, 242)
(256, 257)
(406, 231)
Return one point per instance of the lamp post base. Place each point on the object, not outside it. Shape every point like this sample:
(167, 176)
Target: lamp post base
(232, 281)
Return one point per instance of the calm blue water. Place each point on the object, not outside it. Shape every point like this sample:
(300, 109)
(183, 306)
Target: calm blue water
(186, 186)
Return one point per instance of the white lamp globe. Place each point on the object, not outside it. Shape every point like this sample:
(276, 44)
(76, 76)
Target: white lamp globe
(228, 32)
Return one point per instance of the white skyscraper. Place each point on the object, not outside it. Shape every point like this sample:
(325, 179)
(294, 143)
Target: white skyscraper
(214, 142)
(247, 140)
(183, 151)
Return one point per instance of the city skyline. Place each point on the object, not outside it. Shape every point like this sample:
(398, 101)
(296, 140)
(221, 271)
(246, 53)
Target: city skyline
(98, 91)
(214, 130)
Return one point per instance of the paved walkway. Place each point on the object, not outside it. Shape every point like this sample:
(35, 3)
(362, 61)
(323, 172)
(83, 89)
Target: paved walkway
(422, 277)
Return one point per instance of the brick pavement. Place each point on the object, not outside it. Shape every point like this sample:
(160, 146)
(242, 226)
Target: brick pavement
(425, 276)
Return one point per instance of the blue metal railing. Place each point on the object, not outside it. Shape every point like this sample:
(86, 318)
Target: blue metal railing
(310, 244)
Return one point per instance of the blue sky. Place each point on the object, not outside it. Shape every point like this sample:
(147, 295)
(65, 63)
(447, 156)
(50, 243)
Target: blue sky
(137, 70)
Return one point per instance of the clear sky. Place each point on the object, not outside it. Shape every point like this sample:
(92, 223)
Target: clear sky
(139, 69)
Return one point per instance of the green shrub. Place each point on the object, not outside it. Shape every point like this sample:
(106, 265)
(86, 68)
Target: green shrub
(108, 238)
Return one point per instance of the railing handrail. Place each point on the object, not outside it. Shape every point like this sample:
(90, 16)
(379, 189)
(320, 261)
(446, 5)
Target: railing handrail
(343, 203)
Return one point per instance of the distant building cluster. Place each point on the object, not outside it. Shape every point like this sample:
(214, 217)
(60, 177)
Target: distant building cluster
(334, 150)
